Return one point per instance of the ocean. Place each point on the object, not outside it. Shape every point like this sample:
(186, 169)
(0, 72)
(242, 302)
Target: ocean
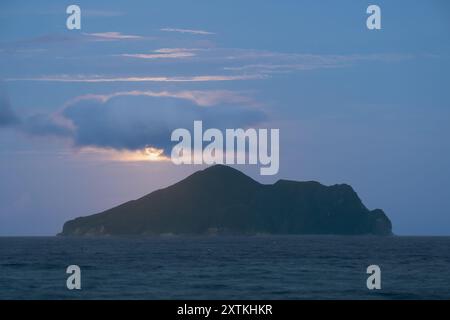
(225, 267)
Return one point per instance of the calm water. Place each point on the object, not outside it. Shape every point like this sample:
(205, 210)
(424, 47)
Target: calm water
(216, 267)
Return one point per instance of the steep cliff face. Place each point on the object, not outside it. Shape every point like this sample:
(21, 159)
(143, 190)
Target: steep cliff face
(221, 199)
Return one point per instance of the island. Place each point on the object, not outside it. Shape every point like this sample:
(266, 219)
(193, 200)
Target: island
(223, 200)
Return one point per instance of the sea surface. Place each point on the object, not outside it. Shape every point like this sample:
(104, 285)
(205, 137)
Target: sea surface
(225, 267)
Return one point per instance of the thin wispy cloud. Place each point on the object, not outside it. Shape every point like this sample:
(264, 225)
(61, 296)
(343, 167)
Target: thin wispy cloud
(165, 53)
(189, 31)
(273, 62)
(264, 62)
(236, 64)
(203, 98)
(96, 79)
(110, 36)
(47, 41)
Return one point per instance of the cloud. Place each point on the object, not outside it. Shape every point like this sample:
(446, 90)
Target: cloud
(237, 64)
(111, 36)
(95, 78)
(140, 123)
(190, 31)
(165, 53)
(108, 154)
(42, 124)
(199, 97)
(58, 39)
(263, 62)
(7, 115)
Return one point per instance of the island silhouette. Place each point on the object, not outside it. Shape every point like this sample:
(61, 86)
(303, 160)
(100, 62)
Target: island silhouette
(223, 200)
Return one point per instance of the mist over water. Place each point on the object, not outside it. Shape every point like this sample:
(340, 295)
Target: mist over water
(225, 267)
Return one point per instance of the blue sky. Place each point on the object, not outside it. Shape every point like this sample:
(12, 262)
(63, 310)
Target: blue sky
(368, 108)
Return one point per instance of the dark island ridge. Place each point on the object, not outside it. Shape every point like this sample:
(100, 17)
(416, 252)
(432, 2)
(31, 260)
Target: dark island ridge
(223, 200)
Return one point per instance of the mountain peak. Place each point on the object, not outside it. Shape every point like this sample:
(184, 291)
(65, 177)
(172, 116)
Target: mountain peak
(221, 174)
(220, 168)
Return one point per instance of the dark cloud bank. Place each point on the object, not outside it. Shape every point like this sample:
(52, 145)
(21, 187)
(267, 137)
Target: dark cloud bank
(132, 122)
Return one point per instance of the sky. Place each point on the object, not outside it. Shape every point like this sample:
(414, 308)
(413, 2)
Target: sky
(84, 112)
